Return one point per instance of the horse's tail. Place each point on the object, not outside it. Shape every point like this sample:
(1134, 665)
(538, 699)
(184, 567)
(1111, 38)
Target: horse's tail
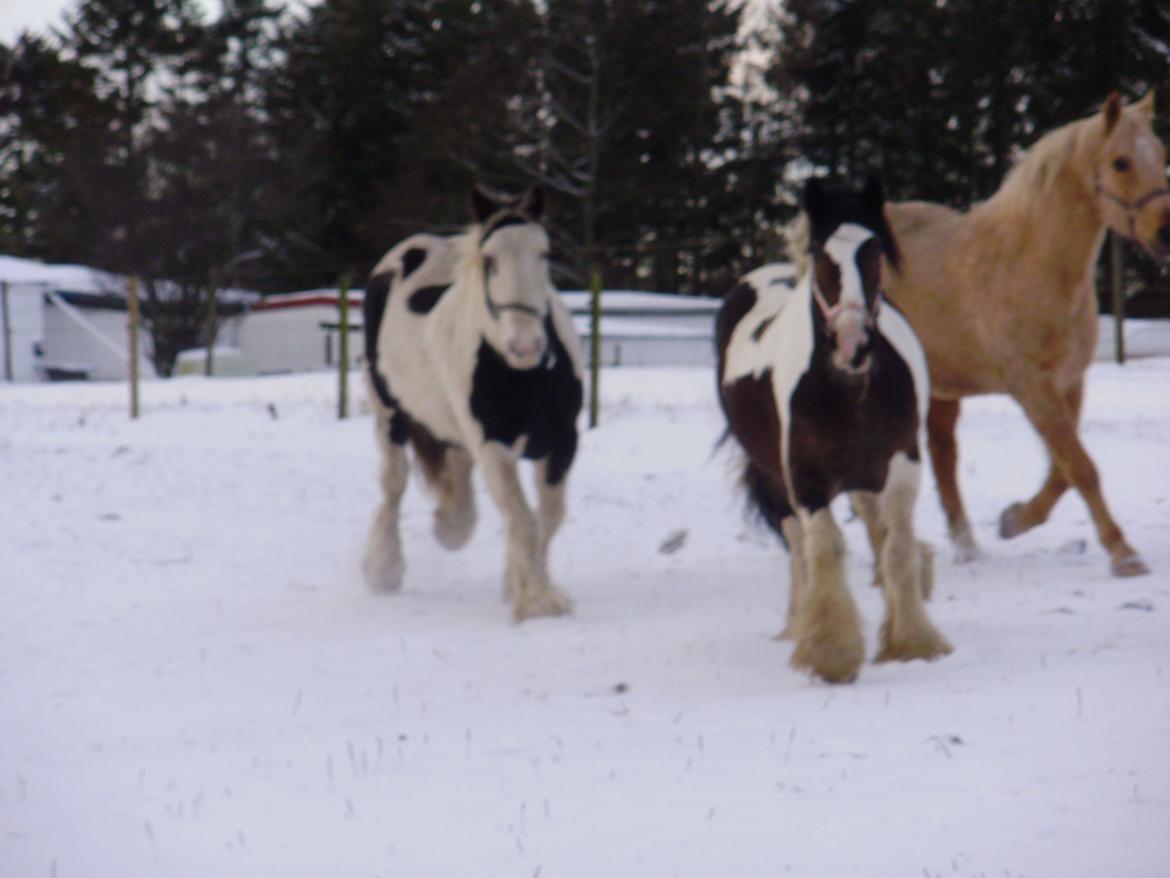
(766, 498)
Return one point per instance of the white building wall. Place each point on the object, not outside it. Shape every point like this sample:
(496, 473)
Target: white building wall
(25, 327)
(292, 339)
(69, 342)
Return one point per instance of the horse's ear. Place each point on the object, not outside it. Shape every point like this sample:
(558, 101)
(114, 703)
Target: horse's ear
(1111, 110)
(482, 204)
(813, 197)
(874, 194)
(1146, 104)
(533, 202)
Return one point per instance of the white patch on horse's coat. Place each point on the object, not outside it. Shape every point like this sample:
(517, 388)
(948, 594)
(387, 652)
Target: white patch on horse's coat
(842, 248)
(1147, 147)
(901, 336)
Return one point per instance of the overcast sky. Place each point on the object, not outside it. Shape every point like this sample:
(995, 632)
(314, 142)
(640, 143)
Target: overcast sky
(38, 15)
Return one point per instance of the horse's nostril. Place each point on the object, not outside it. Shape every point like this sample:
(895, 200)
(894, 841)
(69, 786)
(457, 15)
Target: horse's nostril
(1164, 235)
(526, 350)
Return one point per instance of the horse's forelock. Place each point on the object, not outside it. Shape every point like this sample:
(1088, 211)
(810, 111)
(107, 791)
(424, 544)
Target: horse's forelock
(800, 239)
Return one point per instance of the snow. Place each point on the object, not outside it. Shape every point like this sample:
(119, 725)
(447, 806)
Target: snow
(194, 680)
(76, 278)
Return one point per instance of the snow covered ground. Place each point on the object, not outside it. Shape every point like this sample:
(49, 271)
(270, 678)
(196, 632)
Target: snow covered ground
(194, 681)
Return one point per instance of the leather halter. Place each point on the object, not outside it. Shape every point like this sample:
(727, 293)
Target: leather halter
(1132, 207)
(505, 216)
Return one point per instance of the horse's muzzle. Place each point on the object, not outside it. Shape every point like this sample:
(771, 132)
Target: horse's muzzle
(852, 343)
(526, 354)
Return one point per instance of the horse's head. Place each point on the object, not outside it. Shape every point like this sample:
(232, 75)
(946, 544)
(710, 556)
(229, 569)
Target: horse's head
(848, 235)
(1130, 175)
(512, 249)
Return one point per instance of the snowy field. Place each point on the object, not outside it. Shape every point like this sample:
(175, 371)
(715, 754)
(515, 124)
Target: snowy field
(195, 682)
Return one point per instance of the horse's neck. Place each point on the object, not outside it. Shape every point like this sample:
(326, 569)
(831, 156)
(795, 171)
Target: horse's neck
(1058, 223)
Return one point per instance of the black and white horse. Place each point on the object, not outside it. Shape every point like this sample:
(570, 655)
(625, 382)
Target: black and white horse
(825, 387)
(473, 359)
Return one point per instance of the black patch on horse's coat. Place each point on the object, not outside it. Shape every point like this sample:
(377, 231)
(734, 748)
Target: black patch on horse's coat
(750, 406)
(411, 260)
(508, 219)
(767, 497)
(423, 299)
(844, 430)
(428, 449)
(539, 404)
(759, 331)
(736, 304)
(373, 308)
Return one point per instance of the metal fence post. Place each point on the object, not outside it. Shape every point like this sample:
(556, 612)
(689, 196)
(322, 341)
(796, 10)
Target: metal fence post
(595, 346)
(1115, 275)
(133, 313)
(343, 348)
(7, 331)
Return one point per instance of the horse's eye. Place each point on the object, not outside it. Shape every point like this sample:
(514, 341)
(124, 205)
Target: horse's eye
(1122, 164)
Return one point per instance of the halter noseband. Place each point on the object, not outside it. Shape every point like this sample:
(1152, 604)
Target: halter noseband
(831, 312)
(1133, 208)
(505, 217)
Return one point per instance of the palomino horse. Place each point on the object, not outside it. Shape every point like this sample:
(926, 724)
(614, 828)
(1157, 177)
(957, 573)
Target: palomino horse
(826, 390)
(472, 358)
(1003, 299)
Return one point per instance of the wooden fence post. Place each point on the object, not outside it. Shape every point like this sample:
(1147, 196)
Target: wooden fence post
(595, 345)
(133, 312)
(343, 348)
(1115, 276)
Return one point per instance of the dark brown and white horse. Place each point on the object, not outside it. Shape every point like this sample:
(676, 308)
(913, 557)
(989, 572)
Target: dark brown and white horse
(473, 359)
(825, 387)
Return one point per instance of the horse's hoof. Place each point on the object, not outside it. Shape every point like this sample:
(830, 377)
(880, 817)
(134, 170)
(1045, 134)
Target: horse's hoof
(1012, 523)
(453, 530)
(831, 661)
(1132, 565)
(924, 644)
(384, 576)
(546, 602)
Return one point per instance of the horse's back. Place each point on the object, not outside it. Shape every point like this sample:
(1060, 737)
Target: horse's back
(936, 288)
(400, 304)
(761, 294)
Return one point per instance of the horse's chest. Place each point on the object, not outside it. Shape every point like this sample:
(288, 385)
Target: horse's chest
(842, 434)
(539, 406)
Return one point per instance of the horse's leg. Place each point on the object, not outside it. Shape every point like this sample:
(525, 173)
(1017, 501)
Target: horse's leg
(1049, 414)
(828, 629)
(944, 458)
(383, 564)
(526, 582)
(797, 572)
(1021, 517)
(550, 507)
(455, 511)
(865, 506)
(907, 632)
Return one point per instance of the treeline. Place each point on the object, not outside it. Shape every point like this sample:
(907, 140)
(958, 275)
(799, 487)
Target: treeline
(282, 145)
